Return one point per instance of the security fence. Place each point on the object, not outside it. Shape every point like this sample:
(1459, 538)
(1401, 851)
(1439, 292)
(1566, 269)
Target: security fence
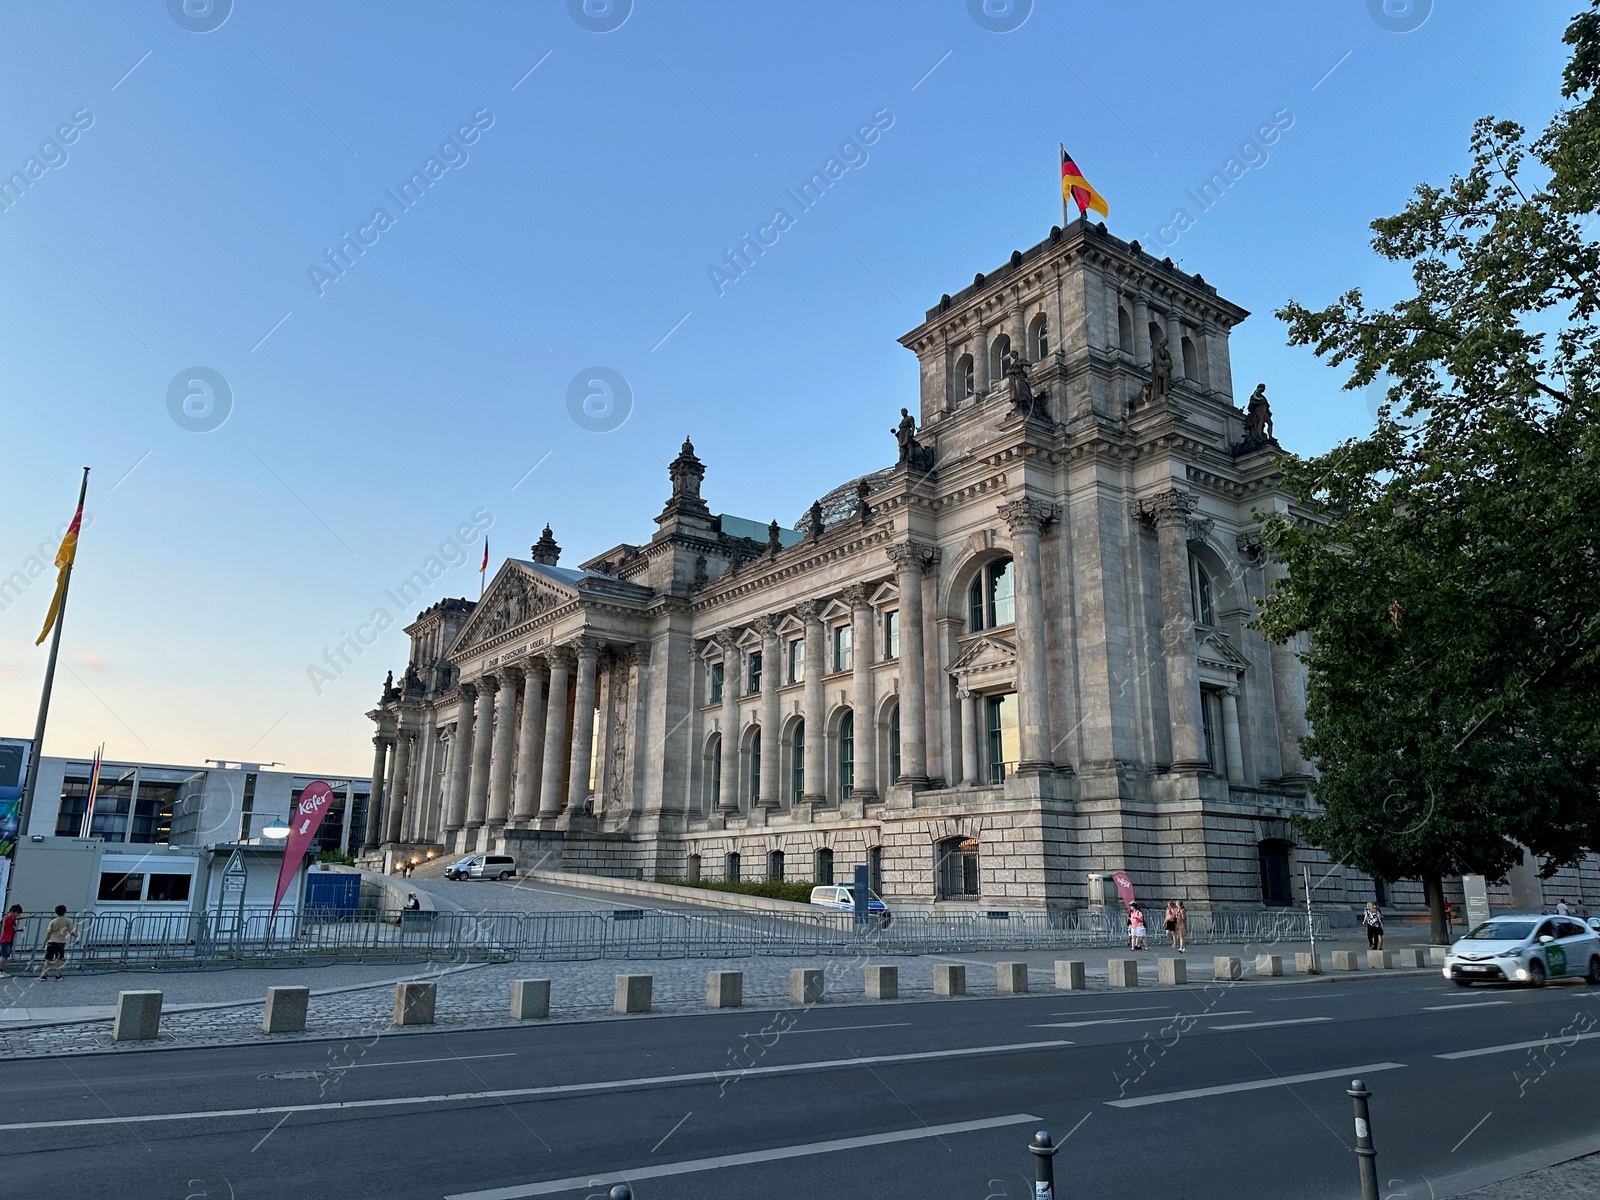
(258, 937)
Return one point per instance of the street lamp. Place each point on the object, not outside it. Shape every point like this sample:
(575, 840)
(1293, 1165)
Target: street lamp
(277, 831)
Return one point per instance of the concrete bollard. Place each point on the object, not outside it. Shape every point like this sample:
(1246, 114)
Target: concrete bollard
(1268, 965)
(285, 1010)
(949, 980)
(414, 1003)
(1070, 976)
(1307, 963)
(1346, 960)
(1011, 976)
(1436, 955)
(633, 993)
(1223, 967)
(530, 999)
(1122, 972)
(724, 989)
(1382, 960)
(1410, 958)
(138, 1017)
(1172, 970)
(805, 986)
(883, 983)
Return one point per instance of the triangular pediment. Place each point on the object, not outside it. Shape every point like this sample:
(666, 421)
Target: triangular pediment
(982, 653)
(1214, 648)
(518, 596)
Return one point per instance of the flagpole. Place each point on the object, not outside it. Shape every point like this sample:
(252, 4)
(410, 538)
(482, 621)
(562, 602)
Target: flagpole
(49, 682)
(1062, 146)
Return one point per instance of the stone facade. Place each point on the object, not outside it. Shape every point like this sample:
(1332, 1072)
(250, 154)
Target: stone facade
(1016, 659)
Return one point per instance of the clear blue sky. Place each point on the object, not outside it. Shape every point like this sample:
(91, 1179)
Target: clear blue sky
(578, 231)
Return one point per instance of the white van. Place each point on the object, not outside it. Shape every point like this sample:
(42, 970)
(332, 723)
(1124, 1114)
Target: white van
(482, 866)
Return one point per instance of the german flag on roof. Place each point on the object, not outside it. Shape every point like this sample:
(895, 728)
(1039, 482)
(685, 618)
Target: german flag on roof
(1079, 190)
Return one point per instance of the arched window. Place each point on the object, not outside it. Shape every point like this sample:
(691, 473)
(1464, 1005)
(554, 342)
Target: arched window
(1273, 855)
(692, 869)
(956, 868)
(1124, 331)
(1039, 337)
(730, 868)
(894, 743)
(755, 766)
(797, 748)
(1200, 593)
(775, 866)
(1191, 361)
(822, 871)
(847, 755)
(998, 349)
(964, 374)
(992, 597)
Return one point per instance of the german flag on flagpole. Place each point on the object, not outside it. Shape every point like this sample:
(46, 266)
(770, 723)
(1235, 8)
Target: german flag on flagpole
(1079, 190)
(483, 568)
(64, 559)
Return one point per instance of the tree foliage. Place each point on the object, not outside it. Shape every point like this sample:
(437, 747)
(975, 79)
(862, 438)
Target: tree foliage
(1447, 567)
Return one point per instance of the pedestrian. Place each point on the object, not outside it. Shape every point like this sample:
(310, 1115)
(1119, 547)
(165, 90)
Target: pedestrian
(1183, 928)
(1561, 908)
(8, 934)
(55, 941)
(1449, 918)
(1136, 931)
(412, 903)
(1170, 922)
(1373, 920)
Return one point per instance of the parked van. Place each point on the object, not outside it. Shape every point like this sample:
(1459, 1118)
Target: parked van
(482, 866)
(842, 898)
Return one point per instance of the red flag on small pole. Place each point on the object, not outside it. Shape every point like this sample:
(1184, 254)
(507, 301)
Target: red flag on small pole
(483, 569)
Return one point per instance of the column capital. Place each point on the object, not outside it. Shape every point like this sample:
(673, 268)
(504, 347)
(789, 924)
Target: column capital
(509, 674)
(1027, 513)
(535, 665)
(1172, 506)
(561, 656)
(767, 627)
(381, 742)
(468, 689)
(1231, 690)
(912, 555)
(858, 595)
(585, 646)
(1252, 548)
(727, 640)
(808, 610)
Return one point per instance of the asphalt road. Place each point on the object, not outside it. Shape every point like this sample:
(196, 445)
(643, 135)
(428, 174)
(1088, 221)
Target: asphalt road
(1207, 1092)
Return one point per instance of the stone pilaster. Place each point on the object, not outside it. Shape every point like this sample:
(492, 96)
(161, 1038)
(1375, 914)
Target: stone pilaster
(1288, 689)
(482, 746)
(910, 560)
(455, 814)
(1232, 747)
(588, 653)
(816, 704)
(503, 753)
(971, 745)
(400, 796)
(1170, 511)
(728, 798)
(555, 733)
(525, 797)
(862, 702)
(1025, 518)
(771, 713)
(373, 833)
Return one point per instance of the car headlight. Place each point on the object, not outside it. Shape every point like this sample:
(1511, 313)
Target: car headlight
(1520, 973)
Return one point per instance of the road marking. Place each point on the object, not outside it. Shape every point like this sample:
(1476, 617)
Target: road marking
(1469, 1004)
(837, 1028)
(411, 1062)
(1198, 1016)
(1253, 1085)
(1083, 1012)
(551, 1186)
(560, 1089)
(1273, 1024)
(1571, 1039)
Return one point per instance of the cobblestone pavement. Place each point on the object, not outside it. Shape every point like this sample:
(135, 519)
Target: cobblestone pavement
(1575, 1180)
(476, 996)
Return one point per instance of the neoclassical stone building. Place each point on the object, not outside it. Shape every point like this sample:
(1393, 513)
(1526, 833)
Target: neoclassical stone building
(1019, 658)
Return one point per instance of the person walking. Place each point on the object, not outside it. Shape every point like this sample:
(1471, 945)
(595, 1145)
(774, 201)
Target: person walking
(8, 935)
(1169, 921)
(1136, 930)
(1182, 929)
(1561, 908)
(55, 941)
(1373, 920)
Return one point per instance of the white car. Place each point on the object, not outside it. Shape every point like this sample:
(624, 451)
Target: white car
(843, 899)
(1525, 949)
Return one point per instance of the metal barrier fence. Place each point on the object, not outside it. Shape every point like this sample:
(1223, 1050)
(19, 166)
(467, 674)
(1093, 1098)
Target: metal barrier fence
(256, 936)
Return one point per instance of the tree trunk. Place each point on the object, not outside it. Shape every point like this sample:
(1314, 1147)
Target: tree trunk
(1433, 889)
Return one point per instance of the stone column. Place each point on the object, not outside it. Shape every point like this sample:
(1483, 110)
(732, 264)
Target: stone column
(970, 735)
(862, 702)
(455, 813)
(1175, 345)
(771, 712)
(525, 800)
(816, 703)
(910, 559)
(374, 830)
(1232, 747)
(1170, 512)
(1026, 517)
(399, 796)
(555, 733)
(1288, 689)
(482, 745)
(504, 748)
(728, 800)
(1141, 333)
(588, 651)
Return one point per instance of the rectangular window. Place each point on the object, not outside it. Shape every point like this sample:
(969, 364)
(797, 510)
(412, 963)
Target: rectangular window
(755, 672)
(1003, 595)
(170, 889)
(716, 683)
(1209, 703)
(1002, 725)
(797, 660)
(249, 805)
(123, 889)
(74, 799)
(891, 635)
(843, 659)
(894, 744)
(152, 812)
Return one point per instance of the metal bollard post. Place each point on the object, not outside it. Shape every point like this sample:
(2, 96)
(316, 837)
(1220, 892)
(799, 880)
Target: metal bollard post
(621, 1192)
(1044, 1165)
(1367, 1156)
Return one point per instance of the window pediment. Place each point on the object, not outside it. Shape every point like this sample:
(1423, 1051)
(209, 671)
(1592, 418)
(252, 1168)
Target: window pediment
(986, 654)
(1215, 649)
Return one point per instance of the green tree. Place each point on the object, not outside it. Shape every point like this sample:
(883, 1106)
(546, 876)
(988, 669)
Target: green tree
(1447, 567)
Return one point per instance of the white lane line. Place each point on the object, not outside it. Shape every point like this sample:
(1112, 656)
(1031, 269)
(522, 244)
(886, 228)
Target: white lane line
(1198, 1016)
(1253, 1085)
(1272, 1024)
(837, 1028)
(551, 1186)
(412, 1062)
(1083, 1012)
(561, 1089)
(1469, 1004)
(1569, 1040)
